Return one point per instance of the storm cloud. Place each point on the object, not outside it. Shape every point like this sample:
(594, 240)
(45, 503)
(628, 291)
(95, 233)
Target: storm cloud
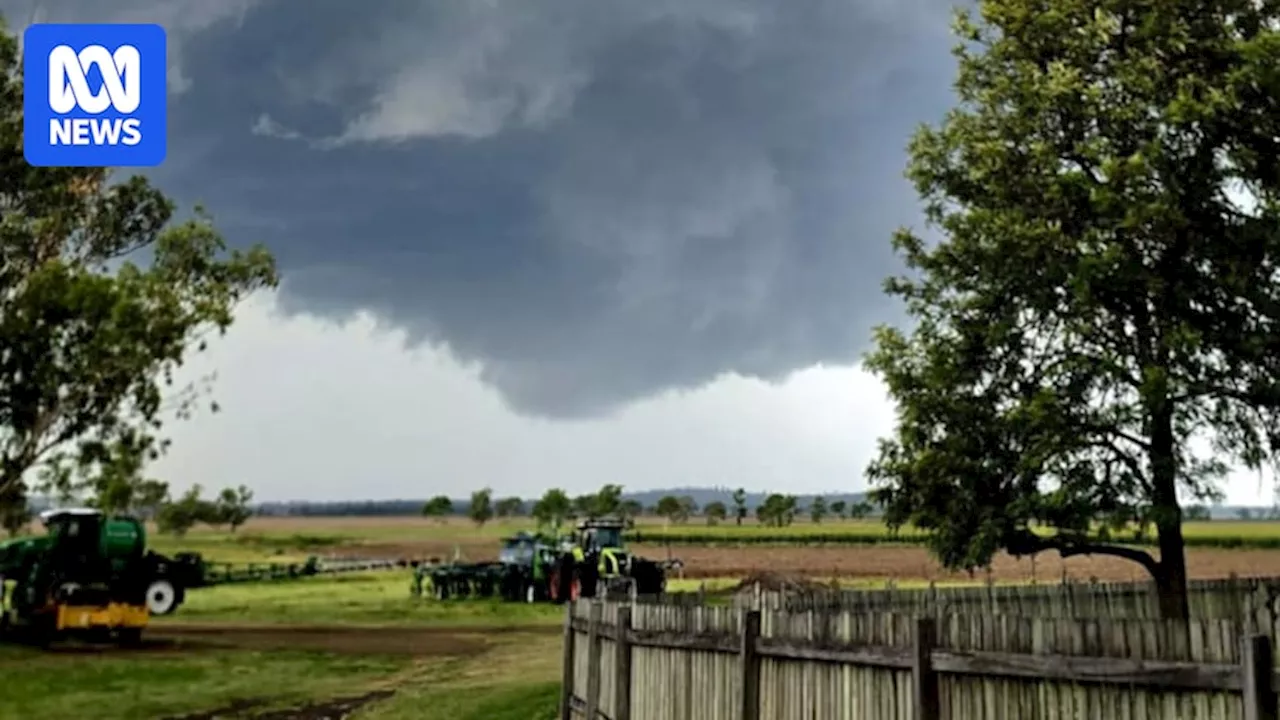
(594, 201)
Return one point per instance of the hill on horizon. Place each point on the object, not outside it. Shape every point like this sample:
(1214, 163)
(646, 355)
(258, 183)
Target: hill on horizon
(413, 506)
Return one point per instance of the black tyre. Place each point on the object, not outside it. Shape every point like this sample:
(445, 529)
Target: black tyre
(563, 577)
(163, 596)
(649, 578)
(588, 579)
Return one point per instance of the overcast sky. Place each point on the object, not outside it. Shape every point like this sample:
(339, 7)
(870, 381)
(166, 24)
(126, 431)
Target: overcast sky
(546, 242)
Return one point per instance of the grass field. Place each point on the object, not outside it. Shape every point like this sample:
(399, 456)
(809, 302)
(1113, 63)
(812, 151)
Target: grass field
(290, 539)
(247, 650)
(360, 646)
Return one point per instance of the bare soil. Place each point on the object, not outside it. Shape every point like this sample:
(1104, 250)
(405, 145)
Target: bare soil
(915, 563)
(877, 561)
(416, 641)
(335, 709)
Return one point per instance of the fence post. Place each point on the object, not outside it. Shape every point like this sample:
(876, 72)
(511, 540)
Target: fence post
(622, 666)
(593, 660)
(924, 681)
(749, 666)
(1259, 696)
(566, 683)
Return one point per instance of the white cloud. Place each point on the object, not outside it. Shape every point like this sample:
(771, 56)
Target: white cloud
(320, 411)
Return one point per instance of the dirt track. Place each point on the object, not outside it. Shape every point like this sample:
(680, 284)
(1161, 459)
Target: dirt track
(336, 709)
(908, 563)
(355, 640)
(417, 641)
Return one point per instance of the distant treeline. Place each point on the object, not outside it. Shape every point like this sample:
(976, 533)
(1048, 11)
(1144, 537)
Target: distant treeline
(357, 508)
(698, 497)
(702, 498)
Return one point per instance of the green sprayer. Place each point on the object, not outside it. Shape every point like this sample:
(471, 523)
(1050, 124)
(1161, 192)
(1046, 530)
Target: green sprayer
(90, 575)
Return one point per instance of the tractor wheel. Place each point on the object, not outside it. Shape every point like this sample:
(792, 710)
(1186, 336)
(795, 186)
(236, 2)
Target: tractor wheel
(162, 597)
(587, 578)
(562, 580)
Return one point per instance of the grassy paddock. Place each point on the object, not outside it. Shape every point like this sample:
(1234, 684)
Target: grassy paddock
(508, 674)
(102, 685)
(380, 597)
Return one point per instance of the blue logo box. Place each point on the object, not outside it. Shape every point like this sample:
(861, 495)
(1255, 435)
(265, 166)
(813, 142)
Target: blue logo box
(94, 95)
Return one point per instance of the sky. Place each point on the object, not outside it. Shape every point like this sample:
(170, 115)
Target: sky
(533, 243)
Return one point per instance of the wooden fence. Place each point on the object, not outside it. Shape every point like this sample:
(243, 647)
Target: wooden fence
(628, 661)
(1243, 599)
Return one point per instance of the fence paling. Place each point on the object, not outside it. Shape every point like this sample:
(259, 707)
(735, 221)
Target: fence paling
(1251, 679)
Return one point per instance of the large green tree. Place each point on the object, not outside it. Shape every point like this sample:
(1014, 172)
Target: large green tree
(552, 508)
(102, 296)
(1104, 294)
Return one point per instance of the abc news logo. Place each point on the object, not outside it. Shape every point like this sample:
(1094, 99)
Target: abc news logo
(69, 90)
(95, 95)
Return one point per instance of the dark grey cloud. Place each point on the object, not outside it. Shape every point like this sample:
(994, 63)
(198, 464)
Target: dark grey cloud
(596, 200)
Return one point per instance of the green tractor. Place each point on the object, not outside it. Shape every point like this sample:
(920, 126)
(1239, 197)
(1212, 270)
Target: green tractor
(538, 567)
(594, 561)
(89, 575)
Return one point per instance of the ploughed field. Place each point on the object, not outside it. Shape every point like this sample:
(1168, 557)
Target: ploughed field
(845, 549)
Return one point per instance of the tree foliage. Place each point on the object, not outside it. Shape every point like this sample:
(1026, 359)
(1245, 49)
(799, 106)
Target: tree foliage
(715, 512)
(232, 508)
(676, 509)
(102, 297)
(777, 510)
(552, 508)
(1104, 296)
(739, 505)
(508, 507)
(438, 507)
(818, 509)
(480, 510)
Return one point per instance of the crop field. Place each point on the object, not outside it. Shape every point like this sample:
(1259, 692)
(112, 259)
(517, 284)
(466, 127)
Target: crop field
(359, 646)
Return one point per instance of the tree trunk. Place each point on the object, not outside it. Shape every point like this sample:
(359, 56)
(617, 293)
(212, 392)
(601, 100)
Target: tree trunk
(1171, 578)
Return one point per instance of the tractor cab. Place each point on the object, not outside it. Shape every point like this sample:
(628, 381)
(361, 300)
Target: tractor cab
(600, 534)
(601, 539)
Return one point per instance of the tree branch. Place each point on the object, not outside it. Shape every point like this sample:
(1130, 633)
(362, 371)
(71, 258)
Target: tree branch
(1025, 542)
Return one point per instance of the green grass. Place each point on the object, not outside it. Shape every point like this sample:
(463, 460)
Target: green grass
(379, 597)
(228, 548)
(515, 677)
(135, 686)
(517, 680)
(502, 700)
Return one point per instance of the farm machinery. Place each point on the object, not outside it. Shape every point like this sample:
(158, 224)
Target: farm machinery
(89, 575)
(536, 567)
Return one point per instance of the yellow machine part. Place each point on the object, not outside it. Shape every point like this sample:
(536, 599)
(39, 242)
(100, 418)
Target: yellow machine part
(609, 564)
(113, 616)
